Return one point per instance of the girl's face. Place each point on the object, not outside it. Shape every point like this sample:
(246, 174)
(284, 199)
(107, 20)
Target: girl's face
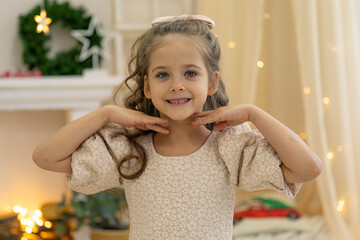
(178, 82)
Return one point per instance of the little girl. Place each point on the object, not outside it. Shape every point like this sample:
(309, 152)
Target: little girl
(177, 150)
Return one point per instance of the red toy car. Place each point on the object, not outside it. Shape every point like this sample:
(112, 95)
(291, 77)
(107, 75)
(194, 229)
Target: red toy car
(263, 208)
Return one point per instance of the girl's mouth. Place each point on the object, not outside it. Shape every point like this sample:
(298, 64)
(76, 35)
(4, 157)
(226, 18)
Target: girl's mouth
(178, 101)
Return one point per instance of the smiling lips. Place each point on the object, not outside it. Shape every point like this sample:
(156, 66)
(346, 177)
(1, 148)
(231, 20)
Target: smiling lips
(178, 101)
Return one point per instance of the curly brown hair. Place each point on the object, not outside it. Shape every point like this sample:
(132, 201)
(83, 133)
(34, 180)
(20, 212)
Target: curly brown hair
(205, 41)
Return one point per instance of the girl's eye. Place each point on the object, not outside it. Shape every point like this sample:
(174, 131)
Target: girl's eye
(190, 74)
(162, 75)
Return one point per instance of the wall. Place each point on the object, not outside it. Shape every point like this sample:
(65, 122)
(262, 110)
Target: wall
(21, 181)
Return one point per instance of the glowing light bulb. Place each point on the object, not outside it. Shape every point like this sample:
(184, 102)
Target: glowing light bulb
(326, 100)
(28, 229)
(17, 209)
(40, 222)
(267, 16)
(307, 90)
(43, 22)
(232, 45)
(330, 155)
(38, 213)
(260, 64)
(48, 224)
(340, 205)
(303, 135)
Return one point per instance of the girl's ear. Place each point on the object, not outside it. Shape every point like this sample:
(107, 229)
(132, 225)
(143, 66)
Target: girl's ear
(214, 85)
(146, 88)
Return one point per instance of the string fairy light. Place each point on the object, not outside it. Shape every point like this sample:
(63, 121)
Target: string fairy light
(231, 44)
(307, 90)
(303, 135)
(330, 155)
(326, 100)
(260, 64)
(340, 206)
(43, 21)
(30, 220)
(267, 16)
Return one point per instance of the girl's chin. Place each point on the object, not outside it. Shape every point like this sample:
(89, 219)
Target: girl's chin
(175, 117)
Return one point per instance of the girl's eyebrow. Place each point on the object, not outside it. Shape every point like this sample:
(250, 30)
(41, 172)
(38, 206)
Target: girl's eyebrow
(185, 66)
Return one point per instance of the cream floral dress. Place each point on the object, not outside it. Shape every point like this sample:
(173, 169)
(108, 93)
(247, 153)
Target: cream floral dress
(182, 197)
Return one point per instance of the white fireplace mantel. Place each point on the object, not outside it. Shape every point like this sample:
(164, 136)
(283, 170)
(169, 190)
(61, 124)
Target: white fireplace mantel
(78, 94)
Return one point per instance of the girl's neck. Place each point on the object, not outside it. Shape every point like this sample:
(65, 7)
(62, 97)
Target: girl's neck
(183, 139)
(184, 130)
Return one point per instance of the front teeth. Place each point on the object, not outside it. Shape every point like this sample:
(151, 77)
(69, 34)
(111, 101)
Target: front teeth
(177, 102)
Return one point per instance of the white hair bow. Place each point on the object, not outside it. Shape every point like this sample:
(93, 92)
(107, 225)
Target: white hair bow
(201, 18)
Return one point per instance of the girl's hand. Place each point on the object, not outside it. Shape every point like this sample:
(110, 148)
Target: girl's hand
(224, 116)
(131, 118)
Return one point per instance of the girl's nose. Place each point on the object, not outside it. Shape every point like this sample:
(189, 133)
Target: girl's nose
(177, 86)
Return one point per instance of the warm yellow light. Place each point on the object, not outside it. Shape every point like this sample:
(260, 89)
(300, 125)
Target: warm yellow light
(43, 13)
(23, 212)
(303, 135)
(340, 205)
(46, 29)
(43, 22)
(47, 21)
(307, 90)
(330, 155)
(48, 224)
(231, 44)
(38, 213)
(28, 229)
(260, 64)
(37, 18)
(40, 222)
(24, 238)
(340, 148)
(27, 222)
(267, 16)
(34, 218)
(39, 28)
(17, 209)
(326, 100)
(35, 229)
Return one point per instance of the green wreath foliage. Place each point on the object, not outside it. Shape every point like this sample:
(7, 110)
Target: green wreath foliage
(35, 52)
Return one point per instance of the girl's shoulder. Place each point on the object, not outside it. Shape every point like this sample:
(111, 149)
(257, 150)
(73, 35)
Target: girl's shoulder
(235, 130)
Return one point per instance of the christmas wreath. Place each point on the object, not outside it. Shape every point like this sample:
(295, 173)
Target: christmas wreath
(34, 44)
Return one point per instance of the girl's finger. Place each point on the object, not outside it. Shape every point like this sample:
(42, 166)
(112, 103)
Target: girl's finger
(141, 127)
(157, 128)
(220, 126)
(156, 120)
(202, 114)
(210, 118)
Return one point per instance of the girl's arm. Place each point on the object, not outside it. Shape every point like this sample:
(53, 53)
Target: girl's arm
(54, 154)
(300, 163)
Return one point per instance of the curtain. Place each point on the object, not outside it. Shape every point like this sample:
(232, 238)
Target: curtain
(328, 51)
(300, 61)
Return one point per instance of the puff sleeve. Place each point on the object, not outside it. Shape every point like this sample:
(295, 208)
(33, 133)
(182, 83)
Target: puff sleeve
(252, 162)
(94, 163)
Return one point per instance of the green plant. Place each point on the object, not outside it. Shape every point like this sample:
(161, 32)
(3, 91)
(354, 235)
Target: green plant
(100, 210)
